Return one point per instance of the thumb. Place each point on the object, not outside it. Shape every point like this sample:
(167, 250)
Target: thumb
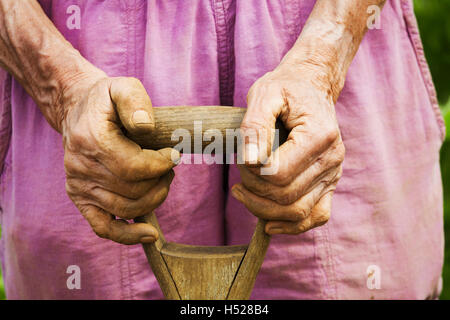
(132, 104)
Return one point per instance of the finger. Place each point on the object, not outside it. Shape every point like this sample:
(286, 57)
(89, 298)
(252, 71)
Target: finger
(130, 190)
(270, 210)
(120, 155)
(300, 151)
(320, 215)
(132, 104)
(129, 209)
(85, 174)
(302, 184)
(105, 226)
(257, 127)
(128, 161)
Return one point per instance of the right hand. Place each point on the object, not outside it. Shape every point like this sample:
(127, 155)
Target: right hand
(108, 175)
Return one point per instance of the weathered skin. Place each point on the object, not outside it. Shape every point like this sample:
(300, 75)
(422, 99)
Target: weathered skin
(302, 91)
(74, 95)
(107, 174)
(387, 207)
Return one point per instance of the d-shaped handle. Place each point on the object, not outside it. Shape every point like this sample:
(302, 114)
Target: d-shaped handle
(197, 123)
(202, 272)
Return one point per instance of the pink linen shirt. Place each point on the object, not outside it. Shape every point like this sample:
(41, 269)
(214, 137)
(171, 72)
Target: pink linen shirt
(385, 236)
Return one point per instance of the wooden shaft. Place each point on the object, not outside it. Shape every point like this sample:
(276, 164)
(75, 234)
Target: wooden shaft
(156, 261)
(173, 123)
(245, 278)
(214, 272)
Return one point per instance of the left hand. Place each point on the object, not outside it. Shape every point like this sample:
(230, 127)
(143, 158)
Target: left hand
(297, 196)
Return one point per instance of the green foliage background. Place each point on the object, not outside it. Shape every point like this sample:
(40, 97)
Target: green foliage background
(434, 22)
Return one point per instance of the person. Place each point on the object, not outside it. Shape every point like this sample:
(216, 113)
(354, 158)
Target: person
(79, 71)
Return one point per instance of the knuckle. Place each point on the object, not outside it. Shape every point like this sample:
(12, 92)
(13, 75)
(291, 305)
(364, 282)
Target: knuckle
(100, 229)
(323, 218)
(69, 165)
(77, 139)
(252, 129)
(323, 160)
(301, 228)
(100, 143)
(69, 190)
(282, 178)
(88, 188)
(340, 152)
(155, 200)
(262, 189)
(301, 212)
(285, 198)
(164, 195)
(259, 87)
(339, 174)
(335, 160)
(82, 187)
(134, 81)
(251, 91)
(330, 135)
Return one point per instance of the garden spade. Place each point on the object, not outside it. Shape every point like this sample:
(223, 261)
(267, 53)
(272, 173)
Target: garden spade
(187, 272)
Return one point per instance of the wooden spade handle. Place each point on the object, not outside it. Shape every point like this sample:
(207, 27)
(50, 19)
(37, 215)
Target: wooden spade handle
(195, 120)
(201, 272)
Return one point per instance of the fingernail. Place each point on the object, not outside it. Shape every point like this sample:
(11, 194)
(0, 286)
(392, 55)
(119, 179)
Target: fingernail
(252, 153)
(175, 156)
(147, 239)
(141, 117)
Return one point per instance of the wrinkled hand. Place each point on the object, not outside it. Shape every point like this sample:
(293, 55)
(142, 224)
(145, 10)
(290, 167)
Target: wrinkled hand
(108, 175)
(296, 195)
